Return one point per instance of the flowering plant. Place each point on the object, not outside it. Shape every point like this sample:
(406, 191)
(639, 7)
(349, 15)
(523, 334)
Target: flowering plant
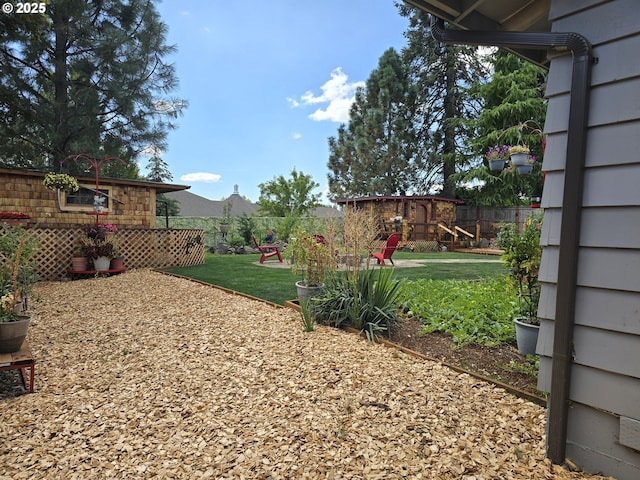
(99, 232)
(60, 181)
(518, 149)
(498, 152)
(13, 216)
(311, 256)
(531, 159)
(95, 249)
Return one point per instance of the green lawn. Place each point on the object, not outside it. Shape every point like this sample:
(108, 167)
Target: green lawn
(241, 273)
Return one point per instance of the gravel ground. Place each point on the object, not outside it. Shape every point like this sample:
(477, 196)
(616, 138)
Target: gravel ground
(144, 375)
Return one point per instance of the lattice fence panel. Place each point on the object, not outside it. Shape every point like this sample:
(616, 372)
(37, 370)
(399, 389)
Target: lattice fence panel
(141, 248)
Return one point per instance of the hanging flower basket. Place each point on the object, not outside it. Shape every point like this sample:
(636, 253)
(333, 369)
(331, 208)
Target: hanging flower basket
(524, 169)
(496, 165)
(519, 154)
(60, 181)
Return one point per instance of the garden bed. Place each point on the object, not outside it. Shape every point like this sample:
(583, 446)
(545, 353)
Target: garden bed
(145, 375)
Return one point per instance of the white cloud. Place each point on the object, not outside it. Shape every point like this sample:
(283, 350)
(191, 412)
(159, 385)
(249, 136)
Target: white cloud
(338, 93)
(296, 136)
(201, 177)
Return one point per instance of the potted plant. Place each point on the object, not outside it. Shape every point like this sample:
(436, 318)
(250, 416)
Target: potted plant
(522, 255)
(527, 167)
(519, 154)
(79, 260)
(60, 181)
(100, 245)
(312, 258)
(497, 157)
(13, 219)
(17, 273)
(101, 251)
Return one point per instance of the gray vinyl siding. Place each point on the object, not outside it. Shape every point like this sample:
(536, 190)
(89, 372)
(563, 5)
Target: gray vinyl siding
(605, 383)
(602, 448)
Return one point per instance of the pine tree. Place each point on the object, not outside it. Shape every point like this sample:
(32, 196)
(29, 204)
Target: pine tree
(443, 75)
(374, 153)
(85, 77)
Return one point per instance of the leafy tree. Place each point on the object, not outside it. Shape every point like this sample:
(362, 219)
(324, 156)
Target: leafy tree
(514, 109)
(375, 154)
(281, 197)
(84, 77)
(443, 75)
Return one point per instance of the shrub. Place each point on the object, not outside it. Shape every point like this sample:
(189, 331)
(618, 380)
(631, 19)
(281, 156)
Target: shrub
(367, 302)
(522, 255)
(246, 226)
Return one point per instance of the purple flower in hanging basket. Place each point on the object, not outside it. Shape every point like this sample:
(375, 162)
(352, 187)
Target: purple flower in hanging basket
(498, 152)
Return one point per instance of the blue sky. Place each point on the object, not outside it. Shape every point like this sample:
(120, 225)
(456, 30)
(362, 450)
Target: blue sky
(267, 83)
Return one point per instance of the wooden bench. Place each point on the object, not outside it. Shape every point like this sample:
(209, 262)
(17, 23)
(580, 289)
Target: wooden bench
(23, 361)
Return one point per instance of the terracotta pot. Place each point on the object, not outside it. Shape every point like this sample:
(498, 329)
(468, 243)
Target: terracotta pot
(12, 334)
(12, 222)
(79, 264)
(117, 263)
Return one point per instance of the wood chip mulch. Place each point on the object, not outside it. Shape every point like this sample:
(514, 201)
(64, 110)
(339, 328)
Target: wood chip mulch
(144, 375)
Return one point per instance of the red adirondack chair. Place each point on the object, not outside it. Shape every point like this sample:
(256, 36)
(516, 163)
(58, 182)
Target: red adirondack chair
(387, 250)
(267, 251)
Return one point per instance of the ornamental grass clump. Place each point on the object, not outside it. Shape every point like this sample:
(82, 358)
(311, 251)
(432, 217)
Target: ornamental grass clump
(522, 255)
(367, 302)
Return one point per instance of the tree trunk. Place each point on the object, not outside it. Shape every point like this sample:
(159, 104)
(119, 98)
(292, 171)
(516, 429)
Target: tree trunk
(61, 85)
(449, 150)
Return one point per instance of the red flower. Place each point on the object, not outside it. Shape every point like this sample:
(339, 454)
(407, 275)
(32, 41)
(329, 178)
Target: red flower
(12, 216)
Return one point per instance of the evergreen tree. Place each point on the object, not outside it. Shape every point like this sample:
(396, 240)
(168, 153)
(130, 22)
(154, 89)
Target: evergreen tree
(514, 111)
(84, 77)
(374, 154)
(158, 169)
(283, 197)
(443, 75)
(159, 172)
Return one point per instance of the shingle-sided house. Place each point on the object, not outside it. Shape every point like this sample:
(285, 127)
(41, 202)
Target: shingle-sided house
(589, 341)
(58, 219)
